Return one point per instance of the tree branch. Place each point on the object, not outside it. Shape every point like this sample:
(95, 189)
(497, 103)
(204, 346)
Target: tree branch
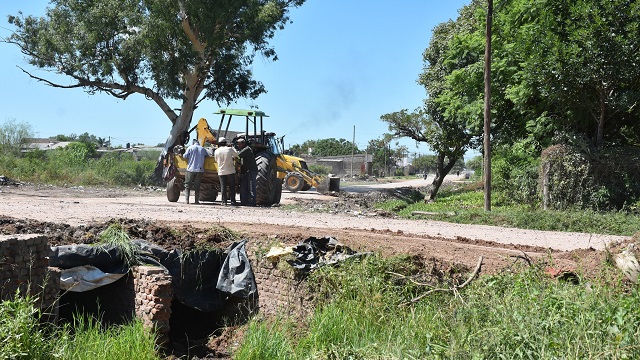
(454, 289)
(191, 34)
(123, 91)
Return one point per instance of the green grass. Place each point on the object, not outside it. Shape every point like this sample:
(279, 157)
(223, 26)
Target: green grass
(25, 337)
(518, 315)
(467, 207)
(90, 341)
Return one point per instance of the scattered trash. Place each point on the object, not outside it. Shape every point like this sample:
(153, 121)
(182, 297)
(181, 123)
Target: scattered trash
(314, 252)
(562, 275)
(85, 278)
(276, 252)
(627, 262)
(201, 279)
(236, 277)
(7, 181)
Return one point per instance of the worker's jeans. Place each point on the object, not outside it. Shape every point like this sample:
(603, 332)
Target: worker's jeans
(248, 188)
(192, 181)
(228, 186)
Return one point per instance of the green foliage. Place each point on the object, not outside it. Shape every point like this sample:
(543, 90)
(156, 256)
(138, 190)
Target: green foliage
(25, 336)
(85, 138)
(116, 236)
(520, 314)
(90, 341)
(515, 173)
(265, 340)
(13, 134)
(381, 153)
(476, 164)
(162, 50)
(22, 337)
(425, 163)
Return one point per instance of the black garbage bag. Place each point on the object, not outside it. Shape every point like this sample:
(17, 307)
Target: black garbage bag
(236, 276)
(108, 259)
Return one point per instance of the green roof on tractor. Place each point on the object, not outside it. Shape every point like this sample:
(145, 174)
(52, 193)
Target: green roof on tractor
(241, 112)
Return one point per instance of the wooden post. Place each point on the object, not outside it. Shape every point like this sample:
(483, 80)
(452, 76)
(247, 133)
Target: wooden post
(487, 110)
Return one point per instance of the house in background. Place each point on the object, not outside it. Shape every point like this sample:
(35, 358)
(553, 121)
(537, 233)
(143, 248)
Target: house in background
(42, 144)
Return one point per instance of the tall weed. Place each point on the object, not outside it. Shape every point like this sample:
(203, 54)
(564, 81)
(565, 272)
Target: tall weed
(77, 164)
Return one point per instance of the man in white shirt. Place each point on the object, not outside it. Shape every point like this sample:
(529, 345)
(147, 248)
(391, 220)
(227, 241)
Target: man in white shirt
(225, 156)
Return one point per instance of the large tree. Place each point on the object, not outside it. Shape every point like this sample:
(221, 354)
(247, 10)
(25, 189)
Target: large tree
(182, 50)
(579, 67)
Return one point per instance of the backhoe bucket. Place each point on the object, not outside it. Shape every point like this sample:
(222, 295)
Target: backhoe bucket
(334, 183)
(328, 183)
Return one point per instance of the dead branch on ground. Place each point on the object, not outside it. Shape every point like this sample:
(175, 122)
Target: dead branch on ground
(454, 289)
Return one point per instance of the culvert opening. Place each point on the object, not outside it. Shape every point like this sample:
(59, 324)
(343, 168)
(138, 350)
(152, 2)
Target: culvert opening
(185, 264)
(112, 304)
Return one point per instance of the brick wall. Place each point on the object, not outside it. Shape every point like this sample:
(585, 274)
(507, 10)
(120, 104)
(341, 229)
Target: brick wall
(24, 265)
(153, 294)
(280, 290)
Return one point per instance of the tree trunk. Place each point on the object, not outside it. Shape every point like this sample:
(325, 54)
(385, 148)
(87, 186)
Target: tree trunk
(601, 118)
(193, 89)
(441, 171)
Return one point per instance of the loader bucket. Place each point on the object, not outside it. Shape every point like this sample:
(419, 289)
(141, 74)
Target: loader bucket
(334, 183)
(328, 183)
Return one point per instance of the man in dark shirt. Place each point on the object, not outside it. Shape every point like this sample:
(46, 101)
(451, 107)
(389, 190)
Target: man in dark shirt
(249, 171)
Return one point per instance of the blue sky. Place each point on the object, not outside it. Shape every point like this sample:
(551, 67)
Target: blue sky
(342, 63)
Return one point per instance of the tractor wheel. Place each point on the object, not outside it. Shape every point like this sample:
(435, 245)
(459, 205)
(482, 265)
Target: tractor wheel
(306, 186)
(294, 182)
(267, 180)
(173, 190)
(278, 196)
(208, 193)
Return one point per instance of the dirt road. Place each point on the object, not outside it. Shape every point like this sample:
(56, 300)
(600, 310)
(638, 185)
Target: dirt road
(446, 241)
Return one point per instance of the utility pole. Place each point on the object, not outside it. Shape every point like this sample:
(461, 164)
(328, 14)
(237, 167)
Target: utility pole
(487, 110)
(385, 158)
(353, 147)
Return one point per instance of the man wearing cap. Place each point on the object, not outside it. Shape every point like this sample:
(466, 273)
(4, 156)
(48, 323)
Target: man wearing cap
(249, 171)
(225, 156)
(195, 154)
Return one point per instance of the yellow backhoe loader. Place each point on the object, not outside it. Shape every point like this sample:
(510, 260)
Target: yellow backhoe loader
(269, 186)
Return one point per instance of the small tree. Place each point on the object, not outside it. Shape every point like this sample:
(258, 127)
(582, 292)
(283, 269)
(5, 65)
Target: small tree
(13, 134)
(448, 139)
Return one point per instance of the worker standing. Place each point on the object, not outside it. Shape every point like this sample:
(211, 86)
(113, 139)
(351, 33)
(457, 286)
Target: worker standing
(195, 154)
(249, 171)
(225, 156)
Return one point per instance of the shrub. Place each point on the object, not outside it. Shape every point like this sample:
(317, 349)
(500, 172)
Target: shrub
(602, 179)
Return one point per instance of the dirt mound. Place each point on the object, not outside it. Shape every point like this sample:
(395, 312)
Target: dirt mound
(183, 237)
(358, 203)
